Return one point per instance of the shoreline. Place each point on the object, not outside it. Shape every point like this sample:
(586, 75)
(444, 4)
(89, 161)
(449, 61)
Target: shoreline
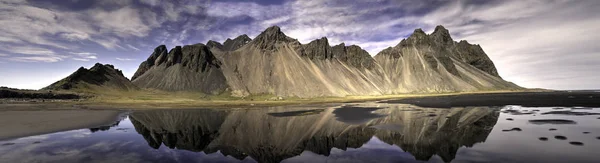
(126, 103)
(23, 123)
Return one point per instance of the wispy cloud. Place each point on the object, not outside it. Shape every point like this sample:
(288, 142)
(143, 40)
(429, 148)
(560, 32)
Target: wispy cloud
(124, 59)
(37, 59)
(133, 47)
(83, 56)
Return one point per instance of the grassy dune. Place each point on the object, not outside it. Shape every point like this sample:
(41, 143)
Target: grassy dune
(153, 99)
(106, 98)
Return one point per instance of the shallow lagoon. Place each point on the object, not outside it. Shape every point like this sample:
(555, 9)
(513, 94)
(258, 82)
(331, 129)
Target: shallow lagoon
(351, 132)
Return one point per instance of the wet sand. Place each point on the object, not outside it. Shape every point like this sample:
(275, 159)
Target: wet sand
(528, 99)
(14, 124)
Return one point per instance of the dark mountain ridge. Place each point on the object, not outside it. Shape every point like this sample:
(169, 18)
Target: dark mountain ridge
(104, 76)
(274, 63)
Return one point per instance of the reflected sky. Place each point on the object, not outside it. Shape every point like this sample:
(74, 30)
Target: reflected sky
(398, 133)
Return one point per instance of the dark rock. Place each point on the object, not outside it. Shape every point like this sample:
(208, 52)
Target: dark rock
(268, 39)
(559, 137)
(474, 55)
(586, 132)
(509, 119)
(161, 50)
(198, 58)
(551, 121)
(297, 113)
(513, 129)
(442, 36)
(174, 56)
(543, 138)
(236, 43)
(567, 112)
(318, 49)
(353, 55)
(576, 143)
(213, 44)
(191, 67)
(99, 75)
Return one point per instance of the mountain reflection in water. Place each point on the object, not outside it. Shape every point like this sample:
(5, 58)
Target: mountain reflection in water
(354, 132)
(268, 138)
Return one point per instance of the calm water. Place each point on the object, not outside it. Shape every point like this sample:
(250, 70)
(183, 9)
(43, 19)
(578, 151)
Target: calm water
(365, 132)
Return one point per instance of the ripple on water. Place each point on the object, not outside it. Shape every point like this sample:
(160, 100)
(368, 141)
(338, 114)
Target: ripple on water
(543, 138)
(509, 119)
(552, 129)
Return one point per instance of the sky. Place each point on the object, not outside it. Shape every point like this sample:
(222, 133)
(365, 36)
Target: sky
(551, 44)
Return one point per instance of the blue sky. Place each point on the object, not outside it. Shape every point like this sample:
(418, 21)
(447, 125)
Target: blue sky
(534, 43)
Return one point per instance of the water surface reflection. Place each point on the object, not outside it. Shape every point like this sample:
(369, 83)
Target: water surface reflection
(361, 132)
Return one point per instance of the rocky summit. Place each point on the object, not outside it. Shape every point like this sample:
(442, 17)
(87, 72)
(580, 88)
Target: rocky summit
(100, 76)
(229, 44)
(273, 63)
(436, 63)
(187, 68)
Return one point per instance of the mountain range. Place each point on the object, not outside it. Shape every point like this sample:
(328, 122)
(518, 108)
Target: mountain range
(273, 63)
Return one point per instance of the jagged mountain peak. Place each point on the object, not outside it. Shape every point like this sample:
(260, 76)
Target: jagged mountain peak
(440, 29)
(213, 44)
(103, 75)
(269, 37)
(439, 48)
(236, 43)
(243, 37)
(159, 53)
(273, 63)
(99, 67)
(318, 49)
(184, 68)
(419, 31)
(323, 41)
(442, 35)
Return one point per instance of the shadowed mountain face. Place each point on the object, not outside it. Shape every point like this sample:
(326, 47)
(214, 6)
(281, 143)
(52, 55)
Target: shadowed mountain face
(276, 134)
(273, 63)
(191, 67)
(229, 44)
(99, 76)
